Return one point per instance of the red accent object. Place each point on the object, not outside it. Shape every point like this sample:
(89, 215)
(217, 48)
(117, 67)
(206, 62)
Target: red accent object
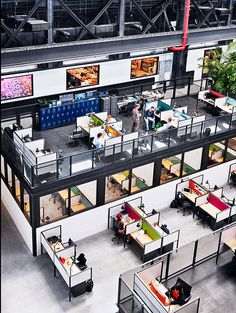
(131, 213)
(63, 260)
(219, 95)
(119, 215)
(217, 202)
(175, 294)
(185, 34)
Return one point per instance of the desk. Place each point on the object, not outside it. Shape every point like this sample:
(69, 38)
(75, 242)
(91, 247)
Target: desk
(166, 163)
(219, 160)
(64, 194)
(210, 209)
(231, 244)
(135, 189)
(140, 212)
(189, 195)
(77, 207)
(119, 177)
(57, 246)
(141, 239)
(126, 219)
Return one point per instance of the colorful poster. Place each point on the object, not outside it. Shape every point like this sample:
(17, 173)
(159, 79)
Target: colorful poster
(16, 87)
(83, 76)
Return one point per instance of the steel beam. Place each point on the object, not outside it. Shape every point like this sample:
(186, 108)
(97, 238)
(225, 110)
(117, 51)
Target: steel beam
(122, 18)
(76, 50)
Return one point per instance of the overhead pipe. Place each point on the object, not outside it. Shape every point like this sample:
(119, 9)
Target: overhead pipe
(185, 34)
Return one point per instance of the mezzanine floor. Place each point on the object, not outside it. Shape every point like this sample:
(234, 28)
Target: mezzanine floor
(28, 284)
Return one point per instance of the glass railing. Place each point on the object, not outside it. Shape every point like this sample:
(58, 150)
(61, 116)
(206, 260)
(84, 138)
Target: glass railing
(90, 160)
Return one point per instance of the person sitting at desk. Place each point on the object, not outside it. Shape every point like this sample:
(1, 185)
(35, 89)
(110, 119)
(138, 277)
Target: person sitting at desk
(99, 141)
(149, 116)
(108, 119)
(119, 226)
(177, 294)
(82, 260)
(166, 126)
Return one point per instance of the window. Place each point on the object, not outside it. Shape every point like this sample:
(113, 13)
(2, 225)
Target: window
(2, 166)
(216, 153)
(83, 196)
(54, 206)
(26, 205)
(170, 168)
(117, 186)
(231, 150)
(192, 161)
(9, 173)
(142, 177)
(17, 189)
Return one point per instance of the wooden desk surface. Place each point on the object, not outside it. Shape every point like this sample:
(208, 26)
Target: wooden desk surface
(64, 194)
(189, 195)
(140, 212)
(141, 239)
(219, 160)
(134, 189)
(231, 244)
(119, 177)
(77, 207)
(210, 209)
(166, 163)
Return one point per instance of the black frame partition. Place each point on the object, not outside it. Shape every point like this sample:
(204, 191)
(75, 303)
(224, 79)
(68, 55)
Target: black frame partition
(151, 142)
(201, 250)
(81, 276)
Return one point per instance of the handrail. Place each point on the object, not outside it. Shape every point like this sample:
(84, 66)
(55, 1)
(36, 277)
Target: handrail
(185, 129)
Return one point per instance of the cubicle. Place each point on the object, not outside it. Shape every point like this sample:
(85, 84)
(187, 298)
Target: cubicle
(217, 210)
(136, 285)
(63, 256)
(232, 169)
(150, 238)
(147, 283)
(192, 188)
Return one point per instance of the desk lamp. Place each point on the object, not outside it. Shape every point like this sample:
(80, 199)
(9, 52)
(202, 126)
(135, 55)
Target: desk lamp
(142, 208)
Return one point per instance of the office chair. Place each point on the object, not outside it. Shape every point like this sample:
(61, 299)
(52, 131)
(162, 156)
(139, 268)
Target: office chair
(207, 132)
(117, 235)
(75, 137)
(232, 180)
(203, 218)
(184, 206)
(113, 184)
(186, 288)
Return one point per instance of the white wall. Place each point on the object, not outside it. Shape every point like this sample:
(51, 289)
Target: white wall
(53, 81)
(17, 215)
(193, 62)
(193, 158)
(93, 221)
(145, 172)
(89, 190)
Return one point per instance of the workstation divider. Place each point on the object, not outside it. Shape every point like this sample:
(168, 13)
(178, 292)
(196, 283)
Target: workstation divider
(58, 251)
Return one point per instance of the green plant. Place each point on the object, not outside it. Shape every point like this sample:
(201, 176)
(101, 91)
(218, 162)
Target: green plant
(222, 69)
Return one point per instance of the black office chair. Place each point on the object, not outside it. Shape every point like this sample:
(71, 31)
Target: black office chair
(76, 136)
(184, 205)
(232, 180)
(186, 289)
(207, 132)
(203, 218)
(117, 236)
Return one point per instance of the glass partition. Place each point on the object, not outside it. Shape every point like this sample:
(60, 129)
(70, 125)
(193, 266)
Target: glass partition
(231, 149)
(207, 245)
(83, 196)
(54, 206)
(170, 168)
(192, 161)
(2, 166)
(26, 205)
(142, 177)
(216, 153)
(9, 173)
(117, 186)
(17, 191)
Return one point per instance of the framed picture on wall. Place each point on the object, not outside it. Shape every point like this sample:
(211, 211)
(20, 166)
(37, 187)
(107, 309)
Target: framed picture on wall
(82, 76)
(16, 87)
(144, 67)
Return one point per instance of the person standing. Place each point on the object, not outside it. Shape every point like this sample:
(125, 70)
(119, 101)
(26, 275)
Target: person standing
(136, 117)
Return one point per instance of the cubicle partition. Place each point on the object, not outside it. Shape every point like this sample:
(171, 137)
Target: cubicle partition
(134, 285)
(232, 169)
(142, 286)
(127, 207)
(19, 135)
(63, 256)
(151, 239)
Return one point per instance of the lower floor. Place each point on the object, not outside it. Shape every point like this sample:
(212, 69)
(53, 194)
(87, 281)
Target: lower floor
(28, 284)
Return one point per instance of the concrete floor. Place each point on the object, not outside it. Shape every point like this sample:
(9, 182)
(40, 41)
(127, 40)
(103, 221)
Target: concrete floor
(28, 284)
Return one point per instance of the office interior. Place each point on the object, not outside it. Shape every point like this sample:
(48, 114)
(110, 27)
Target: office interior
(54, 177)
